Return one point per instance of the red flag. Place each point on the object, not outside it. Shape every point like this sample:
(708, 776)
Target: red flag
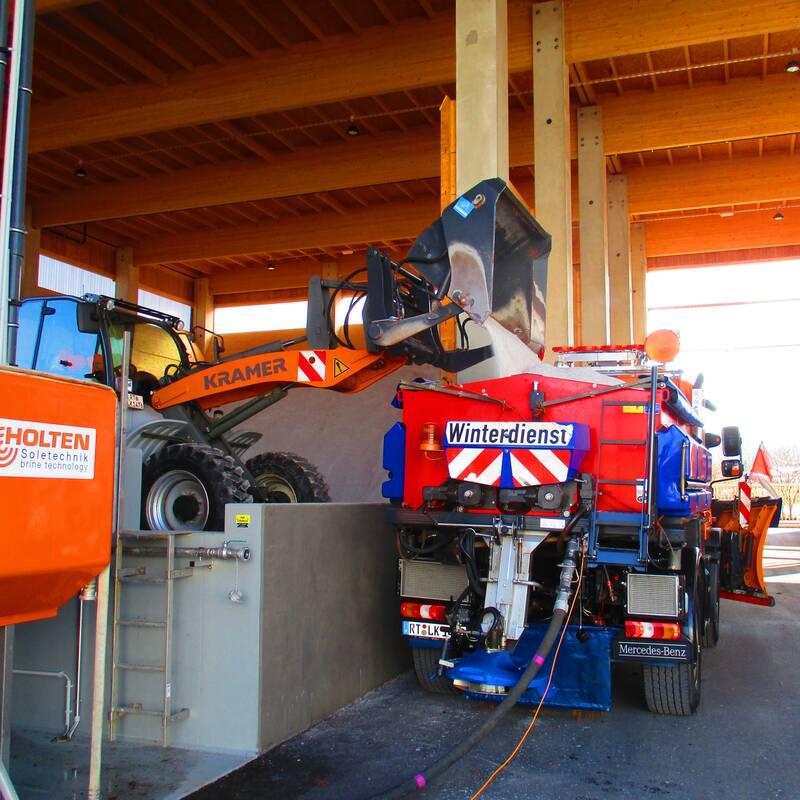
(761, 465)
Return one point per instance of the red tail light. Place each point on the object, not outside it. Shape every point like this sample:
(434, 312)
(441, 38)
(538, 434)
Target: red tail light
(423, 611)
(652, 630)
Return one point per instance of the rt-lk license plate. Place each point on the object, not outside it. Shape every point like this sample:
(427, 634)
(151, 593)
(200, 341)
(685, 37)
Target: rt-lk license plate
(425, 630)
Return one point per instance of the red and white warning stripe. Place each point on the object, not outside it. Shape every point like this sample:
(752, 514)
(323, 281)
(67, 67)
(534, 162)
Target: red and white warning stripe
(311, 365)
(477, 464)
(744, 504)
(535, 467)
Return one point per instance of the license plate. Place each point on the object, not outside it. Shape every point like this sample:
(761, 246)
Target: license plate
(425, 630)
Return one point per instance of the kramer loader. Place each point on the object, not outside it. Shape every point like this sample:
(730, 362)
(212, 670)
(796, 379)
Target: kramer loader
(192, 465)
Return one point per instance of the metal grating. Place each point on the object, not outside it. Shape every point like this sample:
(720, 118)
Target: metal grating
(429, 580)
(653, 595)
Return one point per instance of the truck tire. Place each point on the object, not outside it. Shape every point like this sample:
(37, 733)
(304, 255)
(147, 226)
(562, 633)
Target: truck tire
(426, 663)
(186, 487)
(288, 478)
(675, 689)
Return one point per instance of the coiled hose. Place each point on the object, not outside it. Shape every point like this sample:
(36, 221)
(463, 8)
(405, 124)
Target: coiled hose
(559, 619)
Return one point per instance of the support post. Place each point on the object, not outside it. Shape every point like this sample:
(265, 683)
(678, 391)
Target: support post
(481, 91)
(639, 281)
(592, 191)
(447, 189)
(127, 275)
(552, 160)
(619, 262)
(203, 313)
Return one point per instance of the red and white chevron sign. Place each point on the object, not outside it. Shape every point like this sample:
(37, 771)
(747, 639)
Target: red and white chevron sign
(476, 464)
(744, 504)
(536, 467)
(528, 467)
(311, 365)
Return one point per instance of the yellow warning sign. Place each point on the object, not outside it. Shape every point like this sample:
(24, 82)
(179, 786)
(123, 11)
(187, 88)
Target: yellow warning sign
(633, 409)
(339, 368)
(242, 520)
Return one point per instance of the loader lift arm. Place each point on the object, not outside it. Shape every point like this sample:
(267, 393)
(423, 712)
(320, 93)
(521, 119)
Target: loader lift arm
(484, 256)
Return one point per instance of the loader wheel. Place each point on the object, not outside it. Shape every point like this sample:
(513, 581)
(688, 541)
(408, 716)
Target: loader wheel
(675, 690)
(186, 487)
(426, 664)
(287, 478)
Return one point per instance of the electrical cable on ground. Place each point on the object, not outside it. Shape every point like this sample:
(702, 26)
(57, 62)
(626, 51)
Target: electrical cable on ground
(560, 617)
(532, 723)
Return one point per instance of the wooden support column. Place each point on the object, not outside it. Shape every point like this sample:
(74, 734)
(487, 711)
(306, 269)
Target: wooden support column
(552, 176)
(481, 91)
(619, 262)
(639, 281)
(203, 313)
(592, 191)
(30, 265)
(126, 275)
(481, 116)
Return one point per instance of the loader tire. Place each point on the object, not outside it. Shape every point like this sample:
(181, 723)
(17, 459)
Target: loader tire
(426, 665)
(186, 487)
(287, 478)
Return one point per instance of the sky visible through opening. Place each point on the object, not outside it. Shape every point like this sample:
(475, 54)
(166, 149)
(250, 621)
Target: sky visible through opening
(748, 348)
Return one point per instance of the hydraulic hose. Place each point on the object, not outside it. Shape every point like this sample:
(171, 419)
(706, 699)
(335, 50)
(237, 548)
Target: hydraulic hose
(559, 619)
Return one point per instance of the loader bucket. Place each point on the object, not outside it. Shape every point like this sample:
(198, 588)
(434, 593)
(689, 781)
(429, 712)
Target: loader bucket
(489, 255)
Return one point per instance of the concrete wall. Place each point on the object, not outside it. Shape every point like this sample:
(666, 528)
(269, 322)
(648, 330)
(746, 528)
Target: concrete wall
(330, 618)
(342, 434)
(317, 628)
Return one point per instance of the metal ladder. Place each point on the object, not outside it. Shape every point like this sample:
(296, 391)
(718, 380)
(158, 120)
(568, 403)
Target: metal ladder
(139, 576)
(633, 520)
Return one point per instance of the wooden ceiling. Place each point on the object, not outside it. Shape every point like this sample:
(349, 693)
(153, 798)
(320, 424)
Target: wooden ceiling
(701, 126)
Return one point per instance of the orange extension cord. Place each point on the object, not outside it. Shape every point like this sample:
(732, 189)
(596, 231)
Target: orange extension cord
(532, 723)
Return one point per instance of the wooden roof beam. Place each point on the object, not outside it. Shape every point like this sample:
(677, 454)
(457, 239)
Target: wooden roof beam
(633, 122)
(650, 190)
(418, 53)
(669, 237)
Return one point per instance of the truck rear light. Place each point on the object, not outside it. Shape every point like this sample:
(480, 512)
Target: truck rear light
(430, 441)
(423, 611)
(652, 630)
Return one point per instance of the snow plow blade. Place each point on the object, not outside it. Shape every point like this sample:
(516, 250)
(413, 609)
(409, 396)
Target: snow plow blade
(743, 549)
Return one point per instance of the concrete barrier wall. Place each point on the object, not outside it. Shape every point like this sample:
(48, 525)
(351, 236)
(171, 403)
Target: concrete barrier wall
(330, 616)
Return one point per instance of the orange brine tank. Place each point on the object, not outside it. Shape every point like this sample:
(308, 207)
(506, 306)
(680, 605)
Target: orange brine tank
(57, 439)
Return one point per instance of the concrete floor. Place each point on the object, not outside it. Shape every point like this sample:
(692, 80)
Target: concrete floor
(742, 743)
(44, 770)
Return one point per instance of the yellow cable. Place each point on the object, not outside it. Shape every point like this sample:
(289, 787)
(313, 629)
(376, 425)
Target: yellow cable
(544, 694)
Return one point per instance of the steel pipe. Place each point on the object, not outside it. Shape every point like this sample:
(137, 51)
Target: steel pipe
(61, 675)
(223, 552)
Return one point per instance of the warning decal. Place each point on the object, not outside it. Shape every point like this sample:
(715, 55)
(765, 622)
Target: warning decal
(339, 368)
(311, 365)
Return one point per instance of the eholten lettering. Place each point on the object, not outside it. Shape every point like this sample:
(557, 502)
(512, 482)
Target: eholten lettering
(44, 450)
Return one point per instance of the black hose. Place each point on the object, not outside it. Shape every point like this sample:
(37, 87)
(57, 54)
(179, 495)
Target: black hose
(422, 779)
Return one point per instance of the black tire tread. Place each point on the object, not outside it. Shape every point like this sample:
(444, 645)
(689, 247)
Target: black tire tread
(224, 481)
(668, 690)
(426, 662)
(305, 478)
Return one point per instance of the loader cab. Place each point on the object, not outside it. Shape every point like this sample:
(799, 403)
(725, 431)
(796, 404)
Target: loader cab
(82, 338)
